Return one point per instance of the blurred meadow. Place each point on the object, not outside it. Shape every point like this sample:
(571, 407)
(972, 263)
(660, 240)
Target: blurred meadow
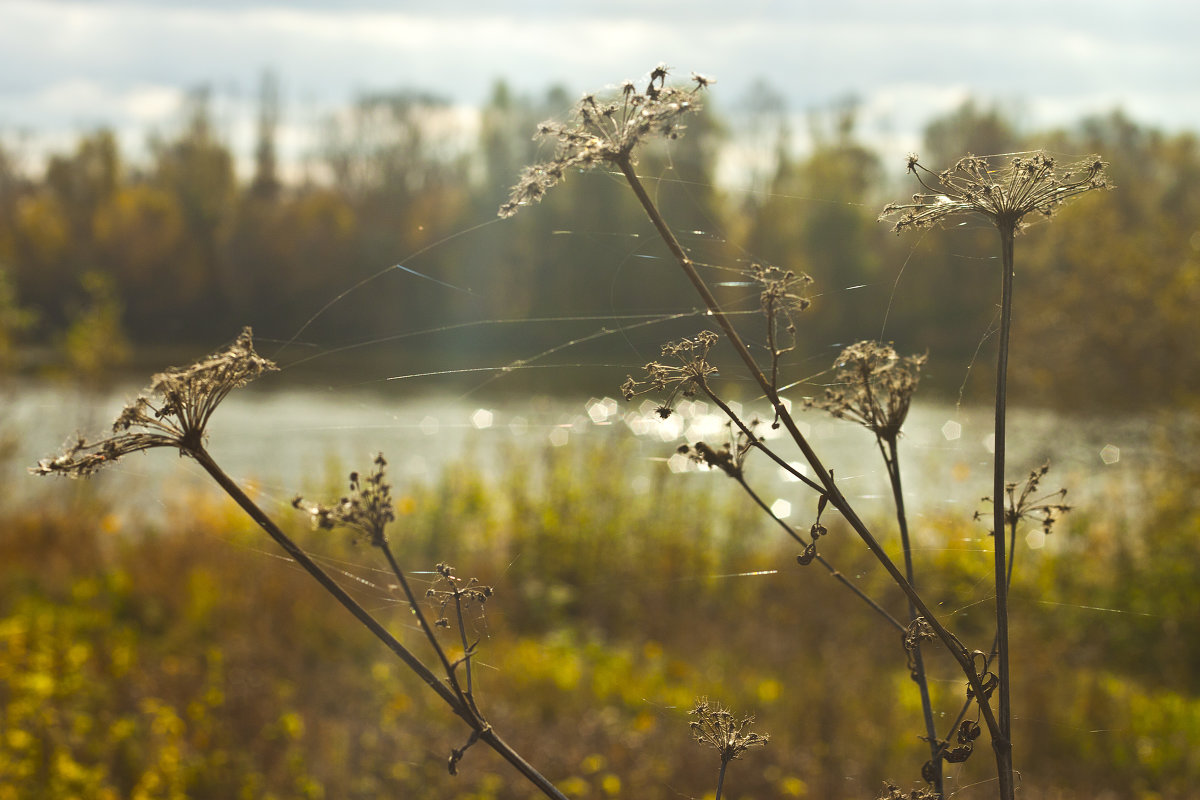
(153, 644)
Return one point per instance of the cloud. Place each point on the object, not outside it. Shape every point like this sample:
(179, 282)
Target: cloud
(127, 62)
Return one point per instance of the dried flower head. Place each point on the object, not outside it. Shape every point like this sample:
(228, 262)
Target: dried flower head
(366, 510)
(685, 378)
(607, 132)
(873, 387)
(730, 456)
(716, 727)
(1003, 191)
(450, 590)
(173, 412)
(1029, 505)
(780, 289)
(780, 299)
(893, 792)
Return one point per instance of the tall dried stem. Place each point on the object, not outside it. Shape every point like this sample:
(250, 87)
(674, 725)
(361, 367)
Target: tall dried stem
(174, 413)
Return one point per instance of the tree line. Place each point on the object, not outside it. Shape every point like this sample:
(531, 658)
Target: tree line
(174, 249)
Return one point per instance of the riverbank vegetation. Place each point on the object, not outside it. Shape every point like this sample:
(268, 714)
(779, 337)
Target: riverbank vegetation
(626, 594)
(190, 660)
(175, 249)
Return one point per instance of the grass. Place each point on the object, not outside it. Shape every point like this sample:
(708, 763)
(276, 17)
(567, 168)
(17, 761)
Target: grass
(191, 663)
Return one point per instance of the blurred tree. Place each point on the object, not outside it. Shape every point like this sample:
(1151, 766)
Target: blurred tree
(399, 159)
(94, 343)
(142, 239)
(1107, 295)
(52, 239)
(266, 183)
(81, 183)
(761, 134)
(15, 322)
(42, 248)
(196, 169)
(1116, 281)
(819, 217)
(969, 129)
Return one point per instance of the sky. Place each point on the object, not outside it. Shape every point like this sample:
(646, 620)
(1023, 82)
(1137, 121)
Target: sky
(69, 67)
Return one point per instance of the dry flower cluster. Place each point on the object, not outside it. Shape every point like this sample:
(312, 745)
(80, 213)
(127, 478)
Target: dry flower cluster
(607, 131)
(367, 509)
(173, 412)
(1004, 192)
(873, 387)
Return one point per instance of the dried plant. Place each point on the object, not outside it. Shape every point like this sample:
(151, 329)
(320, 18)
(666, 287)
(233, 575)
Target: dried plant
(367, 509)
(873, 386)
(893, 792)
(686, 378)
(780, 301)
(622, 158)
(1004, 191)
(1045, 509)
(716, 727)
(175, 413)
(607, 132)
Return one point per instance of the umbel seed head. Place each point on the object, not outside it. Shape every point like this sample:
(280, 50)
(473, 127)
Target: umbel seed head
(1002, 189)
(607, 132)
(172, 412)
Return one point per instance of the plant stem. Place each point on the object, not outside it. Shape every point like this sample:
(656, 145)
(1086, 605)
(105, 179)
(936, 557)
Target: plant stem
(426, 629)
(329, 584)
(1003, 744)
(486, 733)
(918, 672)
(836, 498)
(966, 706)
(880, 610)
(462, 636)
(721, 779)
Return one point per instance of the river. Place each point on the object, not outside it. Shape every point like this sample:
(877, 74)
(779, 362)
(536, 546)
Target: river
(285, 441)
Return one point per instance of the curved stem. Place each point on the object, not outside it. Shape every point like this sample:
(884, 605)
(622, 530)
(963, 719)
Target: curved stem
(966, 706)
(755, 441)
(466, 646)
(836, 498)
(486, 733)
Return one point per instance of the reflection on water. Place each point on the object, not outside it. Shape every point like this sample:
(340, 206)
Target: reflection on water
(288, 441)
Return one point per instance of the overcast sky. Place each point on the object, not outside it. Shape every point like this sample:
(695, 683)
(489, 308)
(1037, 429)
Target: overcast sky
(67, 67)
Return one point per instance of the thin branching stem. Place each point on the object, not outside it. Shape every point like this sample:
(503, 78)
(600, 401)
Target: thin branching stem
(462, 635)
(423, 623)
(328, 583)
(755, 441)
(836, 498)
(461, 709)
(837, 575)
(966, 706)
